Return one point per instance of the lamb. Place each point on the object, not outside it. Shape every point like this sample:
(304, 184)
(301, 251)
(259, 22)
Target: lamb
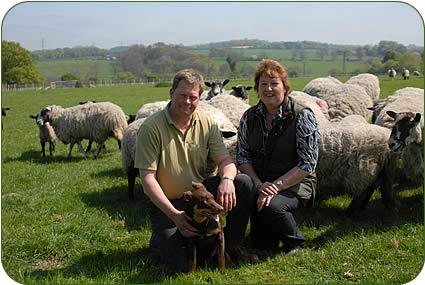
(46, 134)
(232, 107)
(344, 100)
(318, 85)
(354, 158)
(406, 74)
(95, 122)
(392, 73)
(128, 152)
(416, 73)
(217, 88)
(369, 82)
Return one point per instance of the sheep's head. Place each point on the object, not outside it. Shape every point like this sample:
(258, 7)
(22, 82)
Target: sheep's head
(4, 111)
(45, 116)
(241, 91)
(407, 129)
(216, 86)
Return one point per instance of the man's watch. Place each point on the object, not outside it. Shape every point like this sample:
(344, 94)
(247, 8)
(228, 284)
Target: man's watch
(278, 183)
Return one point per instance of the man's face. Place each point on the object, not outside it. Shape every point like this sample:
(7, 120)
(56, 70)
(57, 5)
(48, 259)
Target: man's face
(185, 97)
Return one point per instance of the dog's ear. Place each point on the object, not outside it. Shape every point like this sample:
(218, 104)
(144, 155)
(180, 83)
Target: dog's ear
(187, 196)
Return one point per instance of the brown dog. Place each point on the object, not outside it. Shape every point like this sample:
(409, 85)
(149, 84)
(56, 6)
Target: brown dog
(204, 213)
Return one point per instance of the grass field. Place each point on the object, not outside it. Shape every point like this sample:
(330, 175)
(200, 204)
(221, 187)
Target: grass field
(70, 222)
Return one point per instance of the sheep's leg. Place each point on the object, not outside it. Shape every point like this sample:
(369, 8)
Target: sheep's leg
(81, 149)
(51, 148)
(43, 147)
(119, 144)
(98, 149)
(131, 179)
(71, 145)
(89, 146)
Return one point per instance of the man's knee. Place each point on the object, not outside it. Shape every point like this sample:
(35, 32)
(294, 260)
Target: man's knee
(244, 184)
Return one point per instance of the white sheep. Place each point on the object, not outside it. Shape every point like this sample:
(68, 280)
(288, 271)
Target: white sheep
(95, 122)
(231, 106)
(344, 100)
(46, 134)
(354, 158)
(318, 106)
(407, 99)
(150, 108)
(369, 82)
(392, 73)
(406, 74)
(128, 152)
(416, 73)
(318, 85)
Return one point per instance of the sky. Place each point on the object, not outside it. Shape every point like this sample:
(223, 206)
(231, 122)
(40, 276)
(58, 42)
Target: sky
(109, 24)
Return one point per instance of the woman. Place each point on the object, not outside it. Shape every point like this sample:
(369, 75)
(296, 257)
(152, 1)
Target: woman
(278, 145)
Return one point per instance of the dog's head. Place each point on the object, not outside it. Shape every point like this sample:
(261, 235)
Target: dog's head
(202, 207)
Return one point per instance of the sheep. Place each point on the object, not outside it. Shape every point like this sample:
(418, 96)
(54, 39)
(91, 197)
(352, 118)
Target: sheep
(406, 74)
(95, 122)
(407, 99)
(318, 85)
(406, 139)
(231, 106)
(3, 114)
(217, 88)
(416, 73)
(150, 108)
(354, 158)
(46, 134)
(317, 105)
(226, 126)
(240, 91)
(128, 152)
(344, 100)
(369, 82)
(392, 73)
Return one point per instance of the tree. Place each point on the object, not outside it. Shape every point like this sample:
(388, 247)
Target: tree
(17, 65)
(69, 76)
(232, 59)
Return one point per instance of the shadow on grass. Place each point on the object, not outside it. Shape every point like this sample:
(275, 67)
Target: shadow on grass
(115, 201)
(142, 267)
(375, 217)
(36, 157)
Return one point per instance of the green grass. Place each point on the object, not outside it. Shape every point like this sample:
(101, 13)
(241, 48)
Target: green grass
(70, 222)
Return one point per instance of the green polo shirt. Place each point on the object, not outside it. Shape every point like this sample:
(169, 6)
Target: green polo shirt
(177, 158)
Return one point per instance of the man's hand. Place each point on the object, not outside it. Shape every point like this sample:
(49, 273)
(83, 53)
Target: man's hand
(180, 219)
(226, 196)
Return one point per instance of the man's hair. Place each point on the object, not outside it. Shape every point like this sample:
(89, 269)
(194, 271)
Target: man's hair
(190, 76)
(273, 69)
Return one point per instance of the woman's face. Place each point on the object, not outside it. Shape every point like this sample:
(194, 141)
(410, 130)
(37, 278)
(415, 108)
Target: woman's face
(271, 91)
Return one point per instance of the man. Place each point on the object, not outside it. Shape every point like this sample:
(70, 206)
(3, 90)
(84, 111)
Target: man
(172, 150)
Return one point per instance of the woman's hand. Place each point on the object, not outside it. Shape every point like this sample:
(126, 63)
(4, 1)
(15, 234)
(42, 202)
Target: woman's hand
(180, 219)
(263, 200)
(268, 188)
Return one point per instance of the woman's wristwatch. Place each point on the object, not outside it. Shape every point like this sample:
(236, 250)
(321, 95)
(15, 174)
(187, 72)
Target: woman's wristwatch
(278, 183)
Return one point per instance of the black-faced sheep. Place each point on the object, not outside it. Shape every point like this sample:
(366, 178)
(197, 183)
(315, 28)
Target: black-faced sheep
(406, 139)
(46, 134)
(216, 88)
(96, 122)
(241, 91)
(416, 73)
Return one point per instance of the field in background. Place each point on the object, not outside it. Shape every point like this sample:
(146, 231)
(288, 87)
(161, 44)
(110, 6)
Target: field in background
(70, 222)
